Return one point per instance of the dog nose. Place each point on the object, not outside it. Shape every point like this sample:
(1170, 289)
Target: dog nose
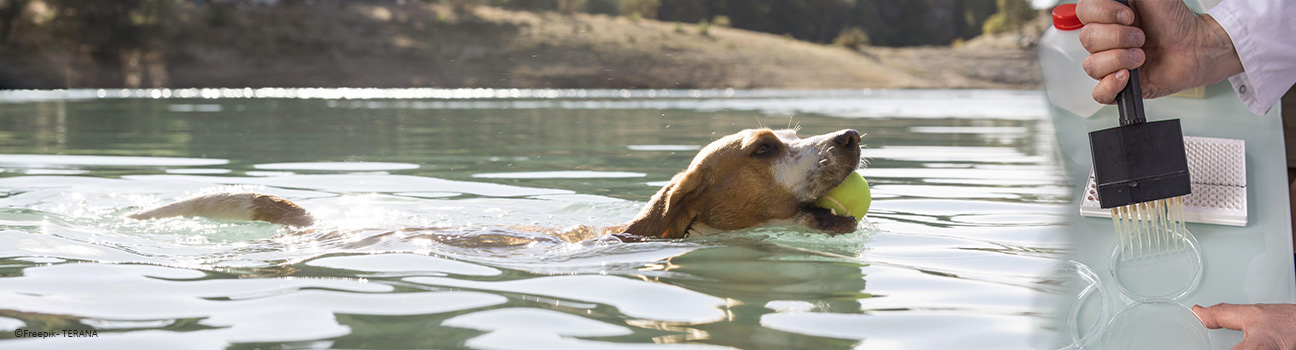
(847, 138)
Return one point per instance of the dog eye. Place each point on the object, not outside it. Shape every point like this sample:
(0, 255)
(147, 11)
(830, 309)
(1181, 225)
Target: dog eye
(762, 150)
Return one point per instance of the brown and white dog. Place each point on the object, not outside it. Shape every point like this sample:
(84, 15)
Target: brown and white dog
(753, 178)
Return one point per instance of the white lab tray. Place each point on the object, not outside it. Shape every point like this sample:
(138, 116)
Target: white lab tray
(1217, 168)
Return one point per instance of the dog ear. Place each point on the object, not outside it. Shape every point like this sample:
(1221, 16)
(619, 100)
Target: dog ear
(670, 212)
(681, 204)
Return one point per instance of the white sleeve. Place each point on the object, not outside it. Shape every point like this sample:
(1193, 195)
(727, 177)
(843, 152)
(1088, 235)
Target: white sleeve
(1264, 34)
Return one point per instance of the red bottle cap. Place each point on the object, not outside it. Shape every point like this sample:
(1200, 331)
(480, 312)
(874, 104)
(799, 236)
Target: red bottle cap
(1064, 17)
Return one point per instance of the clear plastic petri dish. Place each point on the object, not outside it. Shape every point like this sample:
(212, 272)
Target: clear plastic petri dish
(1161, 267)
(1085, 302)
(1156, 325)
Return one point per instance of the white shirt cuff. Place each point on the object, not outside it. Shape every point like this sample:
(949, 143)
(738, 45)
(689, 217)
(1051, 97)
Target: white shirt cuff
(1260, 36)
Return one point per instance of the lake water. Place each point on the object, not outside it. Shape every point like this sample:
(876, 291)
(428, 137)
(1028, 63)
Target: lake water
(964, 227)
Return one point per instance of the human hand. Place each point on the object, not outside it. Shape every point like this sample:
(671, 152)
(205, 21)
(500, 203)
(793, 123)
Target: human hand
(1264, 326)
(1175, 48)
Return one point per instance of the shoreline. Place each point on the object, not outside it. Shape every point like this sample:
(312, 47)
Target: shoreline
(429, 46)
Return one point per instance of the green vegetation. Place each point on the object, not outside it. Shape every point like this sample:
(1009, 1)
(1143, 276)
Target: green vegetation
(640, 8)
(883, 22)
(220, 15)
(131, 35)
(1011, 16)
(856, 38)
(604, 7)
(571, 6)
(722, 21)
(10, 10)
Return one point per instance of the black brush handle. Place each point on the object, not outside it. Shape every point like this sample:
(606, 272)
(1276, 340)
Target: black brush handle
(1130, 100)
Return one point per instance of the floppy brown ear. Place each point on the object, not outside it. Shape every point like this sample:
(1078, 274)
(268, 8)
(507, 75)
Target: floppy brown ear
(670, 212)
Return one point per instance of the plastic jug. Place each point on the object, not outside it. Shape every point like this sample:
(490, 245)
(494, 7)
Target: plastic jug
(1061, 57)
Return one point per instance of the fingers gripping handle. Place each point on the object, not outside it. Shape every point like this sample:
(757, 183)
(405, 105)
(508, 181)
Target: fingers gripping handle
(1130, 100)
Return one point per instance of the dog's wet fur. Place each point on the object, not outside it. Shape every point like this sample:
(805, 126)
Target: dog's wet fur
(753, 178)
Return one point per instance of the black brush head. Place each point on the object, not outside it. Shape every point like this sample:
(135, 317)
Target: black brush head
(1139, 162)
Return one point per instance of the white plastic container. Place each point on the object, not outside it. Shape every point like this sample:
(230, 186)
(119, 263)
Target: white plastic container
(1062, 57)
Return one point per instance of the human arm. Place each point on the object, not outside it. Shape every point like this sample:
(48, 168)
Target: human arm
(1264, 33)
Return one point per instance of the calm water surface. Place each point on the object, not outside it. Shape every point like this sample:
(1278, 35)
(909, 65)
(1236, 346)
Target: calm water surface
(965, 222)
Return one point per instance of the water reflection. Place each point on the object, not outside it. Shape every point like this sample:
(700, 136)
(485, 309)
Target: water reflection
(755, 276)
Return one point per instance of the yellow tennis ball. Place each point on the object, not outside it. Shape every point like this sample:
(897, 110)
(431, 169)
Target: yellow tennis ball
(850, 198)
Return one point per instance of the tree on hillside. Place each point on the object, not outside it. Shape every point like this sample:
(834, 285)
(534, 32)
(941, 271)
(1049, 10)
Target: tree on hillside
(640, 8)
(572, 6)
(975, 14)
(885, 22)
(130, 34)
(10, 12)
(1011, 16)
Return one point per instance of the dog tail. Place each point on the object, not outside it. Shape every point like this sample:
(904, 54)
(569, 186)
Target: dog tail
(234, 206)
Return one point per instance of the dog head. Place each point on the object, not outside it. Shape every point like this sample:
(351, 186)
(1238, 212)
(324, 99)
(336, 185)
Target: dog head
(753, 178)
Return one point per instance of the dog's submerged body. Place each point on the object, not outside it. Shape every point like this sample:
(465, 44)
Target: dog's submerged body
(753, 178)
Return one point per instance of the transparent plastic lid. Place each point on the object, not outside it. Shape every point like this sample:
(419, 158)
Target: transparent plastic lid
(1085, 302)
(1157, 267)
(1156, 325)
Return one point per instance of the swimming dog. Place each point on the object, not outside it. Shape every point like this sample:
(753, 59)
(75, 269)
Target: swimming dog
(753, 178)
